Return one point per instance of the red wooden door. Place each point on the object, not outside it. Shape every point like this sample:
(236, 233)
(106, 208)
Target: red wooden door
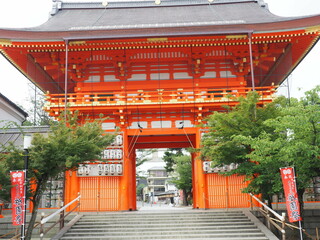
(99, 194)
(225, 191)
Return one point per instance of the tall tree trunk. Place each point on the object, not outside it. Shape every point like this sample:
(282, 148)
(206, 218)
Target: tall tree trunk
(268, 198)
(36, 201)
(301, 203)
(185, 196)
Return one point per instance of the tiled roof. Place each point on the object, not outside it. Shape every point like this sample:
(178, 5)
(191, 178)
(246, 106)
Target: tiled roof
(73, 16)
(157, 168)
(64, 4)
(127, 19)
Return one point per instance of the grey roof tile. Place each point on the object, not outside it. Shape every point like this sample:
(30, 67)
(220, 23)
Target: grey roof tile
(130, 19)
(140, 14)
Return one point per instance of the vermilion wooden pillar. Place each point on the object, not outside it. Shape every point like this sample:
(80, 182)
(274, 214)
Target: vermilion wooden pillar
(72, 187)
(67, 188)
(194, 189)
(132, 186)
(198, 176)
(127, 181)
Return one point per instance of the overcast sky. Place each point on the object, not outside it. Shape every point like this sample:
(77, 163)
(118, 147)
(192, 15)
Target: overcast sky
(27, 13)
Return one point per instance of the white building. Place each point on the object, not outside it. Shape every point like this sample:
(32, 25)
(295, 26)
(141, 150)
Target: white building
(10, 113)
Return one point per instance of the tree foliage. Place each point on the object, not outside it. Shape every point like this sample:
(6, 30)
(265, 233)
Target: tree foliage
(139, 190)
(294, 141)
(66, 146)
(256, 137)
(180, 165)
(169, 158)
(35, 108)
(245, 119)
(183, 180)
(261, 139)
(144, 155)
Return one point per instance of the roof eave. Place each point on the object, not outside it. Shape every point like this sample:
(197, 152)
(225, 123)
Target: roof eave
(19, 35)
(14, 106)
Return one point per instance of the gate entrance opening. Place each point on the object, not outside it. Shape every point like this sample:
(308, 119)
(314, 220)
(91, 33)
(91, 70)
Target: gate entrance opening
(113, 193)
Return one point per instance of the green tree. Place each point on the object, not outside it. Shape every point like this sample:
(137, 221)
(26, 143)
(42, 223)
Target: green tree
(144, 155)
(183, 180)
(5, 187)
(140, 190)
(263, 139)
(222, 147)
(169, 158)
(294, 141)
(37, 114)
(35, 107)
(66, 146)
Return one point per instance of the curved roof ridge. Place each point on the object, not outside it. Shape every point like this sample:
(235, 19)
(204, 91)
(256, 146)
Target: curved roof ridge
(231, 16)
(169, 13)
(61, 4)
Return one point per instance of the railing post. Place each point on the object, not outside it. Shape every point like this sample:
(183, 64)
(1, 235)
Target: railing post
(283, 225)
(41, 226)
(251, 203)
(61, 217)
(78, 202)
(268, 215)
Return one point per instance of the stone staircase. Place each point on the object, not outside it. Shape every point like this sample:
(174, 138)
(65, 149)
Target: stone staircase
(192, 224)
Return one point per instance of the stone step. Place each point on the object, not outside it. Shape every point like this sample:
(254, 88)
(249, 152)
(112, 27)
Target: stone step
(170, 218)
(179, 231)
(162, 226)
(165, 212)
(156, 227)
(184, 221)
(224, 236)
(158, 214)
(170, 238)
(168, 221)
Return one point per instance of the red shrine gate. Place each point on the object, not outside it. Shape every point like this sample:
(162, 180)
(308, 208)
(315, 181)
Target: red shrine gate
(156, 73)
(106, 193)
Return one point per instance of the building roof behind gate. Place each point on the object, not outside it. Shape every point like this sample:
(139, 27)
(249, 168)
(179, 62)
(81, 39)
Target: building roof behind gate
(170, 17)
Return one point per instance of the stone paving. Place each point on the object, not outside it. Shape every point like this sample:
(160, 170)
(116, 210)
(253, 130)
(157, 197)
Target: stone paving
(160, 207)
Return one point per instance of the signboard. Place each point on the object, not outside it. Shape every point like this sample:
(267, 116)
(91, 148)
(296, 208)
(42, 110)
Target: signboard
(17, 197)
(118, 141)
(206, 166)
(102, 169)
(112, 154)
(112, 164)
(290, 191)
(115, 151)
